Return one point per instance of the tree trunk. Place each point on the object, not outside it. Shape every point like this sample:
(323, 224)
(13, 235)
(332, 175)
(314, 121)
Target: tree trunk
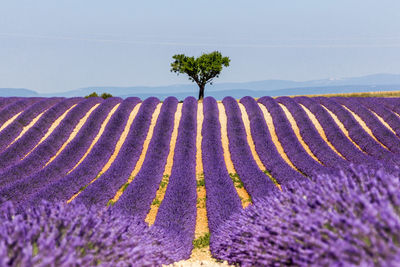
(201, 92)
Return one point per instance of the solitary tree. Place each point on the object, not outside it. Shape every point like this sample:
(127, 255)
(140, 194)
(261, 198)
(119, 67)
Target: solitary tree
(201, 70)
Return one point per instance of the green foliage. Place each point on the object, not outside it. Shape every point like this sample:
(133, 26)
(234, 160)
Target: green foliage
(94, 94)
(270, 176)
(201, 70)
(125, 186)
(156, 202)
(236, 180)
(200, 183)
(164, 181)
(103, 95)
(202, 242)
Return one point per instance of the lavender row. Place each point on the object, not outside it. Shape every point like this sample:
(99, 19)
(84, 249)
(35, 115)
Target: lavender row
(291, 145)
(15, 107)
(20, 190)
(222, 199)
(177, 212)
(333, 133)
(70, 184)
(105, 187)
(16, 127)
(392, 103)
(137, 198)
(43, 152)
(300, 228)
(265, 147)
(57, 234)
(27, 142)
(311, 136)
(381, 133)
(357, 133)
(377, 106)
(255, 181)
(5, 101)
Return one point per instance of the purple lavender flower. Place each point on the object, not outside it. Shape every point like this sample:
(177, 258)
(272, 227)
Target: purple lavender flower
(335, 221)
(71, 235)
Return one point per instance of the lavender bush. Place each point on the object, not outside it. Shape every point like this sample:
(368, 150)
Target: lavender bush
(139, 194)
(104, 188)
(64, 188)
(255, 181)
(61, 235)
(335, 221)
(265, 147)
(49, 147)
(177, 212)
(27, 142)
(311, 137)
(333, 132)
(357, 133)
(383, 134)
(19, 190)
(291, 145)
(13, 130)
(377, 105)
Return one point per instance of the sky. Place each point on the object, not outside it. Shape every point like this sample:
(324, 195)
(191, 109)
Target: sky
(53, 46)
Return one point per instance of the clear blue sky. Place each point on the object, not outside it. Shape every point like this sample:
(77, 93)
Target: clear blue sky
(58, 45)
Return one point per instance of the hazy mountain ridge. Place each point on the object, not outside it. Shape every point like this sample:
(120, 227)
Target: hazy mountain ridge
(375, 82)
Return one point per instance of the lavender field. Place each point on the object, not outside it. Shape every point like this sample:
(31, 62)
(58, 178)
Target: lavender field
(303, 181)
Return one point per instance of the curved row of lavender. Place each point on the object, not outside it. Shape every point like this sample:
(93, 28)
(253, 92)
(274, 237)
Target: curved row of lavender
(291, 145)
(64, 188)
(21, 188)
(27, 181)
(104, 188)
(177, 212)
(222, 200)
(311, 137)
(14, 129)
(17, 150)
(382, 134)
(385, 113)
(357, 133)
(136, 199)
(15, 107)
(55, 234)
(49, 147)
(265, 147)
(334, 221)
(255, 181)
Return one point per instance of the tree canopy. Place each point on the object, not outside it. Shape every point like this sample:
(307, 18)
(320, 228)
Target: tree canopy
(201, 70)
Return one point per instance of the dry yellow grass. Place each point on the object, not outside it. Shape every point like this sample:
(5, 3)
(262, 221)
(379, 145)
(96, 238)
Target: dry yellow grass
(74, 133)
(8, 122)
(244, 196)
(102, 127)
(151, 216)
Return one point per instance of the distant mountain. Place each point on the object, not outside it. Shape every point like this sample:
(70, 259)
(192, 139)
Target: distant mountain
(6, 92)
(375, 82)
